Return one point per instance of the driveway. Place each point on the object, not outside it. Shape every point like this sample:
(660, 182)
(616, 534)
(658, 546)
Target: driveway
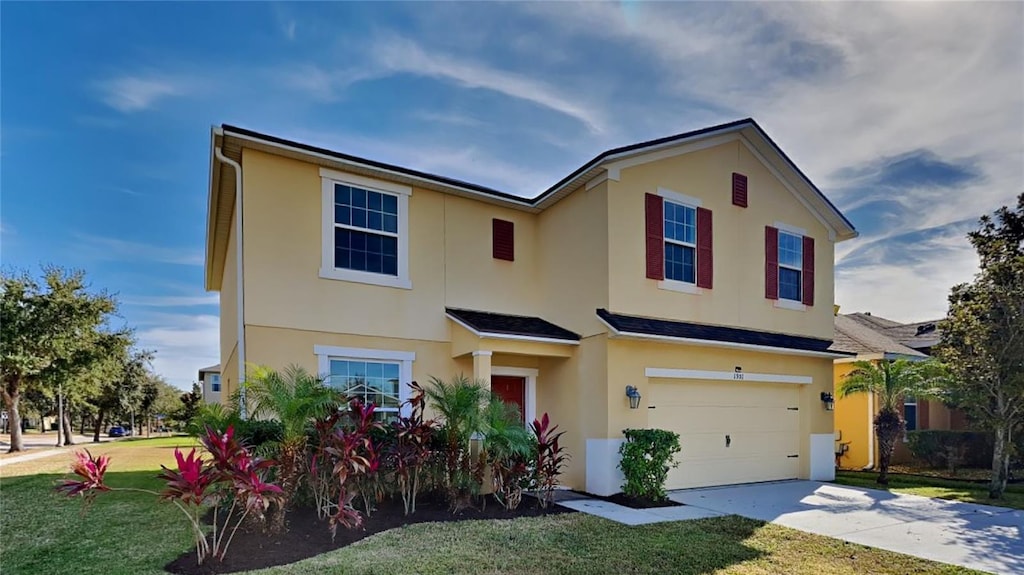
(981, 537)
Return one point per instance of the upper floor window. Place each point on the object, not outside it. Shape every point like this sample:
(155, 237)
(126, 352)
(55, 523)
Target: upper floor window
(791, 261)
(788, 267)
(365, 230)
(365, 235)
(215, 382)
(680, 242)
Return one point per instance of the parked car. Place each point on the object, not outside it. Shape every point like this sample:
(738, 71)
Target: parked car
(117, 431)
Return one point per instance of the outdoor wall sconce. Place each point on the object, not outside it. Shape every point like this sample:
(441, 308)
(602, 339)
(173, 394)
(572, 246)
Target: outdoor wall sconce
(828, 400)
(634, 396)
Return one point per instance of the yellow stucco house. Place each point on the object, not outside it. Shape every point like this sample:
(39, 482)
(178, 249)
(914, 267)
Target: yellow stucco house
(697, 269)
(874, 338)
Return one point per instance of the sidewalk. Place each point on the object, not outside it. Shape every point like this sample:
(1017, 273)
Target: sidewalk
(40, 445)
(627, 515)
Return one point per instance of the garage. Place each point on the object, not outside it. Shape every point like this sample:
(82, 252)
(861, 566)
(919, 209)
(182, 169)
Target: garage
(730, 431)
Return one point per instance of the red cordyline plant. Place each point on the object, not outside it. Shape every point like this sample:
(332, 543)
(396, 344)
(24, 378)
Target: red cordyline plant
(321, 471)
(231, 473)
(353, 455)
(410, 449)
(551, 457)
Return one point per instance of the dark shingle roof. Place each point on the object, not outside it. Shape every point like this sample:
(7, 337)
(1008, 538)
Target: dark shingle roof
(486, 322)
(687, 330)
(863, 338)
(919, 335)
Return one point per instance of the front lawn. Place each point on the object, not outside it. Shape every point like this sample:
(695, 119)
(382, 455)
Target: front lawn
(934, 487)
(133, 534)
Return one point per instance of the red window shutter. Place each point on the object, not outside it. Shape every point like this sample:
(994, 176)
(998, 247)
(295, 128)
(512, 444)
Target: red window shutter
(503, 243)
(655, 209)
(739, 190)
(808, 271)
(771, 262)
(705, 253)
(923, 414)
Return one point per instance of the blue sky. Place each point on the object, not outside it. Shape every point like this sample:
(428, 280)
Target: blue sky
(909, 116)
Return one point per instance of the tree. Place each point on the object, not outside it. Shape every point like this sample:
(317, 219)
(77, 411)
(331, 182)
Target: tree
(892, 381)
(123, 390)
(296, 398)
(190, 403)
(44, 323)
(983, 337)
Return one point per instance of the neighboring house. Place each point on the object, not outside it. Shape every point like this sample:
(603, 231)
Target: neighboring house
(697, 269)
(875, 338)
(209, 378)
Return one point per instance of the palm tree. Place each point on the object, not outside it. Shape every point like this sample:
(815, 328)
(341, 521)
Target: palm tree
(892, 381)
(459, 403)
(507, 447)
(296, 398)
(469, 411)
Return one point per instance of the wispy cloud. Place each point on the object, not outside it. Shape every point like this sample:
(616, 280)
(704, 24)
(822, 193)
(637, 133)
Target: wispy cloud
(123, 191)
(398, 55)
(184, 343)
(171, 301)
(129, 93)
(106, 248)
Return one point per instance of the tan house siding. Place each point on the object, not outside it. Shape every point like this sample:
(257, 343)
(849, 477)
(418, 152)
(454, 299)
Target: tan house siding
(737, 296)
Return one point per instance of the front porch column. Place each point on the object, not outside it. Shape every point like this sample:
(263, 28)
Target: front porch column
(482, 367)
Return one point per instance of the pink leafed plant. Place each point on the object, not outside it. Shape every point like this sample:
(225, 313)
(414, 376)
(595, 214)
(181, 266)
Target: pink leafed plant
(230, 474)
(91, 470)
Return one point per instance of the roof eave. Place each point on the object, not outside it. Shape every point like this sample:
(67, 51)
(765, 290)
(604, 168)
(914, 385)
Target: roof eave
(211, 283)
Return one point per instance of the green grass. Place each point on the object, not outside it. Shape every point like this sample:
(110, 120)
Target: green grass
(934, 487)
(130, 533)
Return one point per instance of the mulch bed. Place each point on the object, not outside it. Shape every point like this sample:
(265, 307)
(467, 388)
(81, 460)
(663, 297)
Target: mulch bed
(308, 536)
(635, 502)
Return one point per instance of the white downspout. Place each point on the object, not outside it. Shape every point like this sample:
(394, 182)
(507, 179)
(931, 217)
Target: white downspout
(240, 279)
(871, 432)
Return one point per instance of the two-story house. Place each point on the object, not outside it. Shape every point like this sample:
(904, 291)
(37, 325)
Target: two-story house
(693, 271)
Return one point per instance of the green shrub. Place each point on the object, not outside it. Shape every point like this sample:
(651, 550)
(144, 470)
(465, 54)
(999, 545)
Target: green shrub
(258, 433)
(951, 449)
(647, 455)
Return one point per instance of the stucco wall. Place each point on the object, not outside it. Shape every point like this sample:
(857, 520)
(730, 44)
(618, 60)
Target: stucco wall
(627, 361)
(737, 297)
(853, 420)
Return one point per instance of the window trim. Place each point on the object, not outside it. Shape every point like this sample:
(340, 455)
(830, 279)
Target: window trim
(911, 401)
(328, 179)
(799, 300)
(215, 383)
(530, 389)
(325, 353)
(687, 202)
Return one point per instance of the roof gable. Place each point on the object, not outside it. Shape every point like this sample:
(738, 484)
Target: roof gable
(232, 139)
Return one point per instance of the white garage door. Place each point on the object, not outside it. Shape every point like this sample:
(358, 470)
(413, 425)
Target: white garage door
(730, 432)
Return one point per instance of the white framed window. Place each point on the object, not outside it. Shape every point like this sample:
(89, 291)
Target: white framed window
(215, 382)
(365, 230)
(791, 266)
(680, 242)
(910, 412)
(375, 376)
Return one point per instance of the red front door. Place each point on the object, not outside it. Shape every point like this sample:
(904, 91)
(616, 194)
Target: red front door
(511, 390)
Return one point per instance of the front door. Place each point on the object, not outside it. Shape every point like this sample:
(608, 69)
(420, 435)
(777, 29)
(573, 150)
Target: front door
(511, 390)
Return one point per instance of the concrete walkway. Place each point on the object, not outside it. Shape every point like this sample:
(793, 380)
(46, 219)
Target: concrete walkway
(980, 537)
(628, 515)
(38, 446)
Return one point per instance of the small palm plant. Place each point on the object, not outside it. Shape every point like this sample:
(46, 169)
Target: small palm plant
(508, 446)
(296, 398)
(459, 403)
(892, 381)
